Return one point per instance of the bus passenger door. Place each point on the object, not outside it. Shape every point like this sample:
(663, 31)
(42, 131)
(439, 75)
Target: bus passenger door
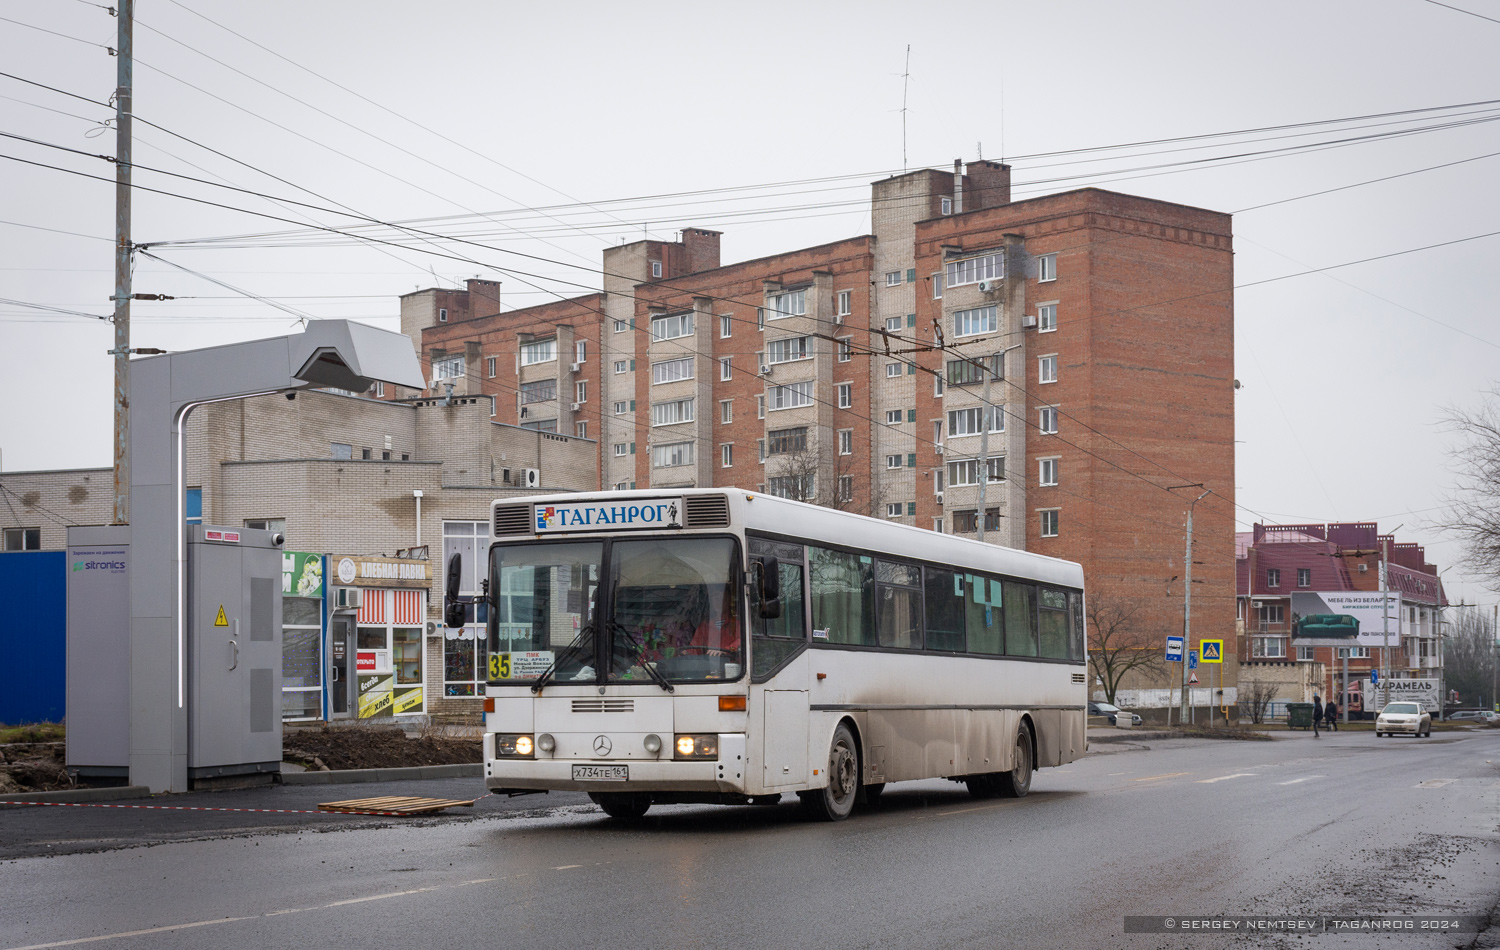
(785, 731)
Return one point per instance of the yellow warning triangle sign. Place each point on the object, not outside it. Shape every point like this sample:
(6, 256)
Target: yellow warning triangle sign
(221, 620)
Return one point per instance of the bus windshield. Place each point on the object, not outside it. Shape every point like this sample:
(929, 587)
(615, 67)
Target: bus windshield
(675, 614)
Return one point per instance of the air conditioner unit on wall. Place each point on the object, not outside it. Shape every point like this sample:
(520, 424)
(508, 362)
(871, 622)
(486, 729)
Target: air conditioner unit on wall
(576, 366)
(348, 598)
(938, 448)
(533, 478)
(985, 286)
(1029, 321)
(577, 406)
(765, 370)
(940, 498)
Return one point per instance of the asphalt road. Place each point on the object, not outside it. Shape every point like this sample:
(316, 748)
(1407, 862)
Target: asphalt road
(1345, 824)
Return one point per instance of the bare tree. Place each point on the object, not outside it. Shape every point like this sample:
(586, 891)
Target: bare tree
(811, 479)
(1117, 646)
(1255, 697)
(1473, 509)
(1469, 657)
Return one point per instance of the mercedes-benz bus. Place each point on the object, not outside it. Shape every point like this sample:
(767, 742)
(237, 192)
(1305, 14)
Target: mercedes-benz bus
(727, 646)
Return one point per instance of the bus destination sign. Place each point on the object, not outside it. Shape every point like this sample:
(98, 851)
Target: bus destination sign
(635, 514)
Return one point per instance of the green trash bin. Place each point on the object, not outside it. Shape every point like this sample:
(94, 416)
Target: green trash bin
(1299, 715)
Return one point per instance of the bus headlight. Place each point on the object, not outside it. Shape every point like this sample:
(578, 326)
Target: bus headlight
(513, 746)
(697, 746)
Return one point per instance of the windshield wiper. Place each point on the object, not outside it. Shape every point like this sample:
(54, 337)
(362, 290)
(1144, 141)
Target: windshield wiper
(567, 651)
(651, 670)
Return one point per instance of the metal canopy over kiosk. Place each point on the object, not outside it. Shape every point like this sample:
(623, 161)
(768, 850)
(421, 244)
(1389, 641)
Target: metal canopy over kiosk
(164, 390)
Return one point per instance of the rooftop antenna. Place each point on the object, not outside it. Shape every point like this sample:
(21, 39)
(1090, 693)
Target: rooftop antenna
(981, 150)
(905, 82)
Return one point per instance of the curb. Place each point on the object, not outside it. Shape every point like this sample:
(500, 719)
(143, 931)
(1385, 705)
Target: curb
(1133, 736)
(347, 776)
(68, 795)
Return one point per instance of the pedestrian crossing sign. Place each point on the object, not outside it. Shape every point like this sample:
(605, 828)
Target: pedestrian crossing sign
(1213, 651)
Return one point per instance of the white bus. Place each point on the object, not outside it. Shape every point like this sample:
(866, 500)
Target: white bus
(726, 646)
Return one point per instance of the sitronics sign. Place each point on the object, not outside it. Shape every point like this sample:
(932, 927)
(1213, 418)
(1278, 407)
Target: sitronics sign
(1365, 607)
(632, 515)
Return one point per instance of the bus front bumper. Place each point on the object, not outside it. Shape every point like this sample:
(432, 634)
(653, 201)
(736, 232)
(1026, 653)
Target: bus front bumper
(724, 776)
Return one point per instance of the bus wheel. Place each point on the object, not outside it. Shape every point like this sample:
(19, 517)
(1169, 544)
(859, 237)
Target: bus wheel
(1017, 782)
(622, 805)
(835, 802)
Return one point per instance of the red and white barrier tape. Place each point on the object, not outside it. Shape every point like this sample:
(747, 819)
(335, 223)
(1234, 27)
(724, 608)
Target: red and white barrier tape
(270, 811)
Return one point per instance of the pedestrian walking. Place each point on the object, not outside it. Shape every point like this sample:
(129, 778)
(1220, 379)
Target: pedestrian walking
(1317, 714)
(1331, 713)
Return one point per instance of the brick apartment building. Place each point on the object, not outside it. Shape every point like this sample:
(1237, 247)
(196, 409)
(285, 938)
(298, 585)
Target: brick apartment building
(1284, 569)
(851, 374)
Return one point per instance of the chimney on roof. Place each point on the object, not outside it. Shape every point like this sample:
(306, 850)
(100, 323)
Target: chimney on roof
(958, 186)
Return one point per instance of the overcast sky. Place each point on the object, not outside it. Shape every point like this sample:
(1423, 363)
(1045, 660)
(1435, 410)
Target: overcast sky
(475, 112)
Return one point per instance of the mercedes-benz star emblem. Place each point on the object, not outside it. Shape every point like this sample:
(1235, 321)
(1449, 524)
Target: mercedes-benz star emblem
(602, 745)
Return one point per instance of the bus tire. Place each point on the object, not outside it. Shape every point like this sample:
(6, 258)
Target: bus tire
(1017, 782)
(835, 801)
(624, 806)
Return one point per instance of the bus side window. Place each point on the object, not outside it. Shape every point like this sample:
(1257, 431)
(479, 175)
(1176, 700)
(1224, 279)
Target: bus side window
(1053, 623)
(1075, 613)
(945, 610)
(843, 595)
(776, 640)
(1020, 619)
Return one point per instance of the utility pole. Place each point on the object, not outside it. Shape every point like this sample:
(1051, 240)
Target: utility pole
(1385, 638)
(124, 71)
(986, 415)
(1187, 598)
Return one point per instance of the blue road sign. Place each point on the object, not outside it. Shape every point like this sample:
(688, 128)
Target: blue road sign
(1192, 659)
(1374, 677)
(1174, 649)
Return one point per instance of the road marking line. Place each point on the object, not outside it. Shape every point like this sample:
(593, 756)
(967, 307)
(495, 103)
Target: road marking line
(1152, 778)
(482, 880)
(131, 933)
(1436, 782)
(567, 867)
(1221, 778)
(1305, 778)
(380, 897)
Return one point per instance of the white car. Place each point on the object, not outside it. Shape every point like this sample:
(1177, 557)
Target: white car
(1407, 718)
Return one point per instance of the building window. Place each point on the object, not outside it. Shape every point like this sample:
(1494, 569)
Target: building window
(792, 396)
(540, 351)
(385, 455)
(893, 461)
(671, 413)
(620, 408)
(846, 302)
(450, 368)
(726, 411)
(893, 509)
(968, 421)
(1268, 648)
(341, 450)
(544, 425)
(795, 487)
(1046, 318)
(793, 303)
(366, 454)
(937, 286)
(937, 385)
(937, 525)
(30, 539)
(786, 441)
(846, 395)
(671, 371)
(893, 278)
(760, 318)
(267, 524)
(1353, 653)
(724, 368)
(978, 320)
(1046, 267)
(581, 429)
(1305, 653)
(620, 366)
(788, 350)
(893, 417)
(543, 390)
(672, 326)
(971, 371)
(1046, 369)
(845, 353)
(971, 270)
(893, 324)
(1269, 615)
(966, 471)
(892, 370)
(581, 391)
(1049, 522)
(442, 315)
(946, 206)
(377, 389)
(846, 488)
(580, 351)
(656, 268)
(1273, 577)
(1304, 577)
(489, 367)
(1047, 472)
(760, 451)
(621, 326)
(725, 325)
(675, 453)
(726, 455)
(846, 441)
(619, 450)
(760, 406)
(1047, 420)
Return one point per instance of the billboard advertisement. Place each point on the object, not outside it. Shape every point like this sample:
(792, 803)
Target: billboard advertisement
(1365, 606)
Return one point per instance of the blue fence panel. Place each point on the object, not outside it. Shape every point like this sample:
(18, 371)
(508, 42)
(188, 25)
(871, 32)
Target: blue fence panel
(33, 635)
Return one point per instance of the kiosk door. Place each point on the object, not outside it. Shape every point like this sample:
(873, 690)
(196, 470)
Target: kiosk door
(341, 667)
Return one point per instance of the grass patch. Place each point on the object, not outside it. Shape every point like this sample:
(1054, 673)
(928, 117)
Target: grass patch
(33, 732)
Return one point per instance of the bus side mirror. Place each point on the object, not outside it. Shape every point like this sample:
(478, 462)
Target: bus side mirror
(769, 579)
(453, 611)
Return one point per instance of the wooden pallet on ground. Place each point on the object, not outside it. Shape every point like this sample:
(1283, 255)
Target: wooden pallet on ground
(395, 804)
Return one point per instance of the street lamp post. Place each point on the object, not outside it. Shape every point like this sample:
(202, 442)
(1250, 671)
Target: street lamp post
(1187, 594)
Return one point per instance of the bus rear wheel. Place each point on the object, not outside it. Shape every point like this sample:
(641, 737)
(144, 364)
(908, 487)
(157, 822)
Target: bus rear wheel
(1017, 782)
(835, 802)
(624, 806)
